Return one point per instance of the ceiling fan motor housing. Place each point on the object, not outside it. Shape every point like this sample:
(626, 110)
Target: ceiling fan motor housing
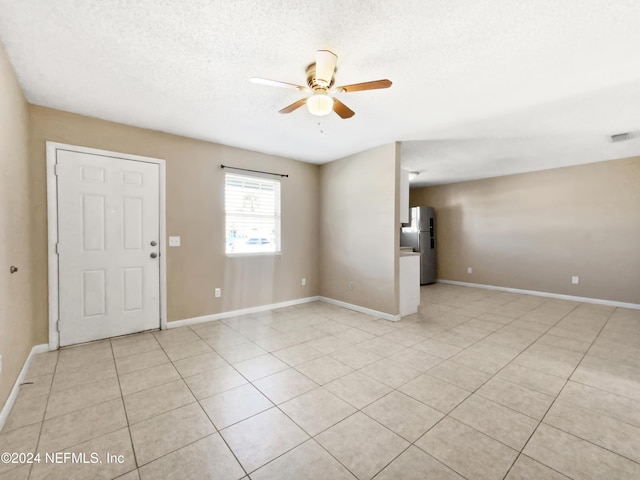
(313, 82)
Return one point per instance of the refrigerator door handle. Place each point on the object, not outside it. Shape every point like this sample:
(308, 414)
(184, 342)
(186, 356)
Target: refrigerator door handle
(422, 242)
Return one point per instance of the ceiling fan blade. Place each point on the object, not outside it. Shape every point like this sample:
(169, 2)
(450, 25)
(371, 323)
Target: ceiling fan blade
(325, 66)
(356, 87)
(342, 110)
(294, 106)
(277, 83)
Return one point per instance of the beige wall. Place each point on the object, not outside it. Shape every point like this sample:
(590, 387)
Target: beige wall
(17, 334)
(195, 211)
(535, 231)
(359, 238)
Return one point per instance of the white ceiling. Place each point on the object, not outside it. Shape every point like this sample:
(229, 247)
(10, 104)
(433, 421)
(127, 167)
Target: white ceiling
(480, 87)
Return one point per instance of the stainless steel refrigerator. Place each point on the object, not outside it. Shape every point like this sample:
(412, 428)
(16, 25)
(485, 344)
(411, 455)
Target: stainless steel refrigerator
(421, 236)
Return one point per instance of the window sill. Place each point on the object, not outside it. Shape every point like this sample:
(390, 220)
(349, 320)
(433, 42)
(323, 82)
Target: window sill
(254, 254)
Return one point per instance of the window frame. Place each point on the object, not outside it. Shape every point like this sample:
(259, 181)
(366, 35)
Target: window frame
(277, 214)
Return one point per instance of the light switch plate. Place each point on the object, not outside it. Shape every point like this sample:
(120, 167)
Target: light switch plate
(174, 241)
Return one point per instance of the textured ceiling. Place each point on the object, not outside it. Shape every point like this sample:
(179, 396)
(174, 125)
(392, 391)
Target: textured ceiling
(480, 88)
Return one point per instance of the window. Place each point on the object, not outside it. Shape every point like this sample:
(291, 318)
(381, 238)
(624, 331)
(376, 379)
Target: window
(252, 213)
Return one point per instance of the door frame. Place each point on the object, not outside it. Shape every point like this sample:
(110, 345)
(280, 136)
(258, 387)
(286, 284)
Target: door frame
(52, 224)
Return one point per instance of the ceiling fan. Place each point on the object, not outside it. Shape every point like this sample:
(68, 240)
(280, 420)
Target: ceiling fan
(320, 83)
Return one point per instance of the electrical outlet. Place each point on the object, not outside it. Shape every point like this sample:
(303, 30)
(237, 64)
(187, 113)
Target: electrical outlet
(218, 292)
(469, 270)
(350, 285)
(303, 282)
(575, 280)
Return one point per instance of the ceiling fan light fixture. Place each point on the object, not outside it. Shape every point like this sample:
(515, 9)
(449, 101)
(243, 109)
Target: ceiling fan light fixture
(320, 104)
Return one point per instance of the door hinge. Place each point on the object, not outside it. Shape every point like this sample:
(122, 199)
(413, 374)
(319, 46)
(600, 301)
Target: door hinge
(57, 248)
(58, 326)
(56, 169)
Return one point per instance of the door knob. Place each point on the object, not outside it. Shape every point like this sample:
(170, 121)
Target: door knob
(153, 243)
(154, 254)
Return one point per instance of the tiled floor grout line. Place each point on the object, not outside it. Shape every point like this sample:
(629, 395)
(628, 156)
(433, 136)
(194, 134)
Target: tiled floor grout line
(358, 410)
(522, 454)
(124, 407)
(411, 443)
(560, 390)
(311, 437)
(197, 400)
(447, 415)
(395, 389)
(443, 360)
(610, 393)
(595, 444)
(539, 421)
(452, 358)
(77, 410)
(271, 321)
(44, 414)
(577, 366)
(541, 334)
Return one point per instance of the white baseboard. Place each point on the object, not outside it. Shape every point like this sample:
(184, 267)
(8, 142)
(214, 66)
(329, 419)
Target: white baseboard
(358, 308)
(559, 296)
(243, 311)
(273, 306)
(8, 405)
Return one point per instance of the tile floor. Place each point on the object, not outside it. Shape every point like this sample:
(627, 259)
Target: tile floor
(478, 385)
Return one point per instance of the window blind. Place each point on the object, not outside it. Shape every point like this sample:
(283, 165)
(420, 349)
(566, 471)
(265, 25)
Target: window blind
(252, 214)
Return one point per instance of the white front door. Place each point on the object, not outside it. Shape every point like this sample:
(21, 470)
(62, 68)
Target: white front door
(108, 246)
